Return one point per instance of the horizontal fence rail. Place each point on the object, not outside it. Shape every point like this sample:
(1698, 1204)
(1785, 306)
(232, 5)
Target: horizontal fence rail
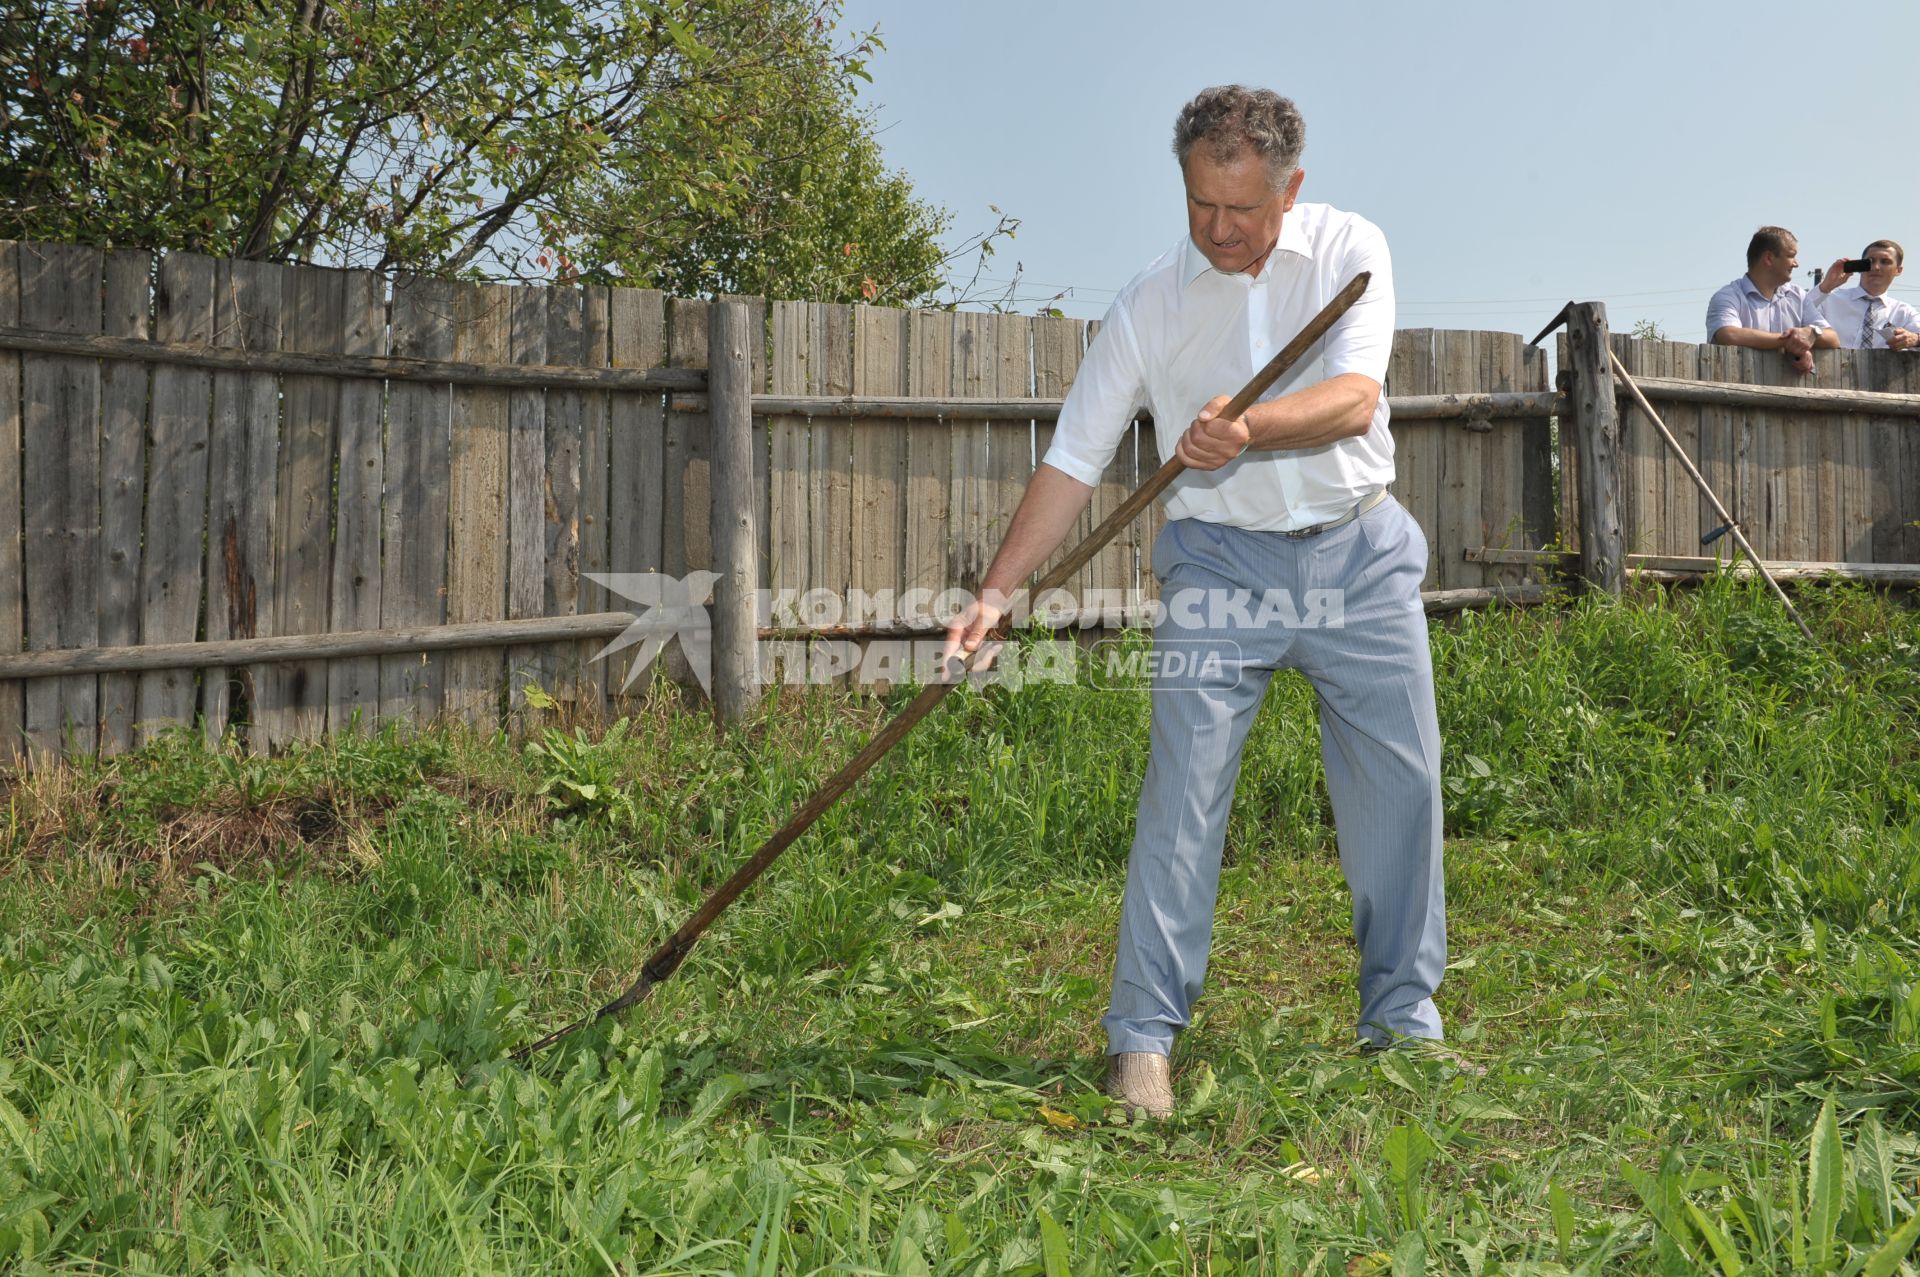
(367, 367)
(1798, 399)
(595, 626)
(1496, 406)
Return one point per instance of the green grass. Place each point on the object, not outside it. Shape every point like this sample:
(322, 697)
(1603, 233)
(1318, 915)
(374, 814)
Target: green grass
(254, 1013)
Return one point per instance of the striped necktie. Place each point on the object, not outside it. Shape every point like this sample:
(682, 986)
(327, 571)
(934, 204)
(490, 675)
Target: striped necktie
(1867, 326)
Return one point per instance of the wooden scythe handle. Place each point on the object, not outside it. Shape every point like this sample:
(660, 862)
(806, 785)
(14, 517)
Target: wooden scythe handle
(668, 957)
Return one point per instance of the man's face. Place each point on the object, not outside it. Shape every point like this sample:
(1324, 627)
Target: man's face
(1233, 215)
(1775, 269)
(1885, 270)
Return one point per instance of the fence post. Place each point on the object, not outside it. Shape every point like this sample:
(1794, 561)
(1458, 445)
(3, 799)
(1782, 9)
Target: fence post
(736, 671)
(1597, 436)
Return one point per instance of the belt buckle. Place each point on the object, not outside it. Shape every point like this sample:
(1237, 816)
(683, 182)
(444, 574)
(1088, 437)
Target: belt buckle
(1301, 534)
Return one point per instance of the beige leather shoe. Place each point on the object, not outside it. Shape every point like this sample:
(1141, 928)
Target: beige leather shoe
(1140, 1081)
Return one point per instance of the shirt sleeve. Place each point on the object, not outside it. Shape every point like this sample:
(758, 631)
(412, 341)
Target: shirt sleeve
(1362, 341)
(1810, 312)
(1816, 303)
(1723, 311)
(1108, 391)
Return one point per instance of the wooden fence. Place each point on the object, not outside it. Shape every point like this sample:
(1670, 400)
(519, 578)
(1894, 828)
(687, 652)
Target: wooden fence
(402, 486)
(886, 504)
(1807, 479)
(156, 502)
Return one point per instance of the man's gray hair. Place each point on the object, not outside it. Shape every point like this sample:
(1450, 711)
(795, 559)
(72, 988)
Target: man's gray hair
(1231, 118)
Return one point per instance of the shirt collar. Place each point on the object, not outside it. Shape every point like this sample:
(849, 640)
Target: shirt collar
(1293, 239)
(1753, 290)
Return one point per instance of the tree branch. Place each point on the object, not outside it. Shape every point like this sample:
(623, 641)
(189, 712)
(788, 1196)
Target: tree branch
(290, 134)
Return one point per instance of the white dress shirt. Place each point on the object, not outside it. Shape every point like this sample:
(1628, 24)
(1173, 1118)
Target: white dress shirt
(1741, 304)
(1846, 309)
(1182, 332)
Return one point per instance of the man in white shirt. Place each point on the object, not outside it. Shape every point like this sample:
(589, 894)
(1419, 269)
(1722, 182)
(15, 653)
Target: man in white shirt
(1862, 314)
(1765, 310)
(1282, 551)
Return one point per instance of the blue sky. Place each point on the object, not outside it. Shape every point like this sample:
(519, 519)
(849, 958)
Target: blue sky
(1516, 155)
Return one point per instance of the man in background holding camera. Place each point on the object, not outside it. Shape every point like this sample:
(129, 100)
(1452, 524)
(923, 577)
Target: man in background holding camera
(1765, 310)
(1863, 316)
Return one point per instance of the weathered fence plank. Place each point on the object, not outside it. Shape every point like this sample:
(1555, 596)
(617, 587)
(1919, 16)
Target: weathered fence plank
(1416, 444)
(1802, 454)
(60, 292)
(1148, 459)
(353, 685)
(1715, 448)
(123, 487)
(173, 557)
(1056, 360)
(477, 501)
(637, 319)
(1908, 550)
(970, 493)
(295, 696)
(413, 571)
(526, 491)
(830, 449)
(1903, 546)
(1831, 368)
(1679, 513)
(878, 514)
(13, 705)
(1008, 372)
(1461, 468)
(757, 373)
(1642, 469)
(686, 538)
(566, 419)
(788, 489)
(1503, 470)
(929, 457)
(243, 448)
(1856, 474)
(590, 687)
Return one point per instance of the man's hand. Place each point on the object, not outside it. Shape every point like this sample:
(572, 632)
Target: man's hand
(968, 630)
(1801, 363)
(1836, 275)
(1212, 440)
(1796, 342)
(1902, 339)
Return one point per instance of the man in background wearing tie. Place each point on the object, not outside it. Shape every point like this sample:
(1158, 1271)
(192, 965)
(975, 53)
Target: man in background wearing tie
(1862, 314)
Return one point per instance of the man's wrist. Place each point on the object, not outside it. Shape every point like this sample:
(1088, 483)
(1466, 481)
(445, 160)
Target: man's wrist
(1259, 419)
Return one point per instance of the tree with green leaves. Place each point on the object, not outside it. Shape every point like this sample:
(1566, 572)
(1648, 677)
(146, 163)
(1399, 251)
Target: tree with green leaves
(694, 145)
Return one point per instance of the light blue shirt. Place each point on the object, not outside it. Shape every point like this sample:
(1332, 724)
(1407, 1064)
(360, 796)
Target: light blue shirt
(1847, 310)
(1741, 304)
